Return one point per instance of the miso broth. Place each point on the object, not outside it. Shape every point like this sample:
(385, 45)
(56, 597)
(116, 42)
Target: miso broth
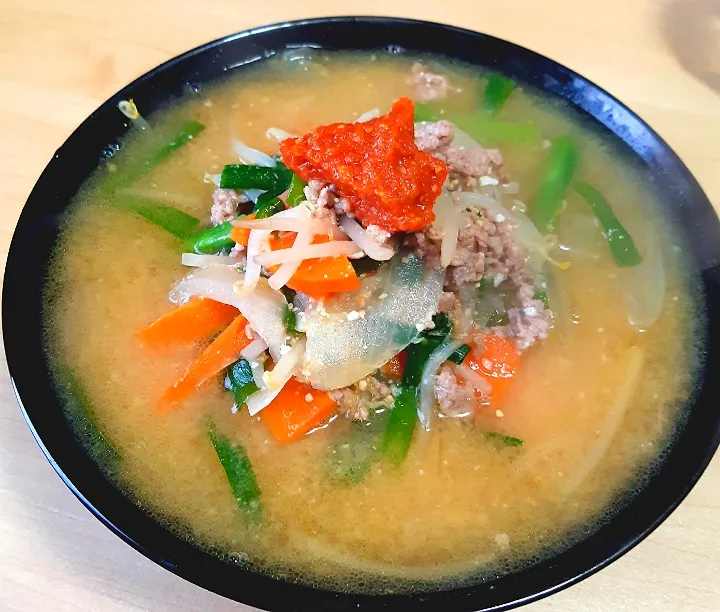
(595, 404)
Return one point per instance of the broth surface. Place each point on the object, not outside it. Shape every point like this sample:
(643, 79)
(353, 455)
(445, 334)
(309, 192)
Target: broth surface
(460, 507)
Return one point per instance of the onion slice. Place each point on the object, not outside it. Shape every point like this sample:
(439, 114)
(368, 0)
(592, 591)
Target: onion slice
(278, 134)
(248, 155)
(646, 285)
(427, 380)
(313, 251)
(256, 348)
(195, 260)
(371, 114)
(364, 240)
(448, 221)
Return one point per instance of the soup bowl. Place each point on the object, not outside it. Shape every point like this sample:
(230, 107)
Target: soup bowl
(37, 234)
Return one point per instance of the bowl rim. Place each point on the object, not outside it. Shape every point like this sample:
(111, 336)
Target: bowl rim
(99, 495)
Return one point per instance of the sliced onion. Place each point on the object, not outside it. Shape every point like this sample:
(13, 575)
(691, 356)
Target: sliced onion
(284, 273)
(278, 134)
(340, 351)
(427, 381)
(645, 288)
(248, 155)
(285, 368)
(212, 178)
(371, 114)
(194, 260)
(480, 304)
(448, 220)
(364, 240)
(256, 348)
(313, 251)
(253, 194)
(472, 378)
(263, 308)
(257, 367)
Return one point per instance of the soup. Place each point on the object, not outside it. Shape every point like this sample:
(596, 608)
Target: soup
(428, 345)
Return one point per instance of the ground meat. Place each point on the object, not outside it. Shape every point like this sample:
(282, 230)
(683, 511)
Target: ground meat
(428, 86)
(355, 401)
(453, 398)
(466, 164)
(225, 205)
(531, 321)
(324, 202)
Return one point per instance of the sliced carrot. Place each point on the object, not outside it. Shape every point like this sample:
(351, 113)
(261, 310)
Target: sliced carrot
(241, 235)
(396, 366)
(321, 276)
(297, 409)
(223, 351)
(192, 322)
(497, 364)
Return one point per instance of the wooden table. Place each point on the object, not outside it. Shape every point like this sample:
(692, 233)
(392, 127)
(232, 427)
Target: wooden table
(60, 59)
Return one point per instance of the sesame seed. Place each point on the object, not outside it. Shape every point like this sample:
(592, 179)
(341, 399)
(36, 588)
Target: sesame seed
(499, 413)
(285, 349)
(353, 315)
(382, 296)
(362, 385)
(308, 397)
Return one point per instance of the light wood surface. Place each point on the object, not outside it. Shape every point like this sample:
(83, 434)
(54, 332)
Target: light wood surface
(59, 59)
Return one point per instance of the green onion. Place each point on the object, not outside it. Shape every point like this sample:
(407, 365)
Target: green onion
(486, 283)
(289, 319)
(242, 176)
(497, 92)
(483, 128)
(618, 238)
(172, 220)
(241, 381)
(401, 423)
(267, 205)
(239, 472)
(78, 405)
(507, 440)
(352, 456)
(543, 297)
(498, 319)
(211, 240)
(458, 356)
(559, 170)
(297, 191)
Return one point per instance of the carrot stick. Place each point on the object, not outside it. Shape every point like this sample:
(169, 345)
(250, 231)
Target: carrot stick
(497, 364)
(396, 366)
(296, 410)
(223, 351)
(194, 321)
(318, 277)
(241, 235)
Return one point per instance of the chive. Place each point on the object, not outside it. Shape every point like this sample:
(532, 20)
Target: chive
(618, 238)
(458, 356)
(497, 319)
(483, 128)
(297, 191)
(212, 239)
(507, 440)
(543, 297)
(486, 283)
(172, 220)
(242, 382)
(267, 205)
(401, 423)
(497, 92)
(239, 473)
(289, 319)
(352, 456)
(560, 167)
(78, 404)
(242, 176)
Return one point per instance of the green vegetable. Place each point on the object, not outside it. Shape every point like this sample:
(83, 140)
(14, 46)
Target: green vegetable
(242, 176)
(365, 265)
(212, 239)
(242, 383)
(267, 205)
(170, 219)
(401, 423)
(561, 165)
(498, 319)
(507, 440)
(297, 191)
(289, 319)
(619, 240)
(458, 356)
(497, 92)
(486, 283)
(87, 429)
(482, 127)
(239, 472)
(351, 458)
(145, 159)
(543, 297)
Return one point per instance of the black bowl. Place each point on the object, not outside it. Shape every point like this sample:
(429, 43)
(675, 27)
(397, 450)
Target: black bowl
(37, 233)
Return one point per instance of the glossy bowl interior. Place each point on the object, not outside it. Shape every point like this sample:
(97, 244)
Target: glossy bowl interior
(37, 233)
